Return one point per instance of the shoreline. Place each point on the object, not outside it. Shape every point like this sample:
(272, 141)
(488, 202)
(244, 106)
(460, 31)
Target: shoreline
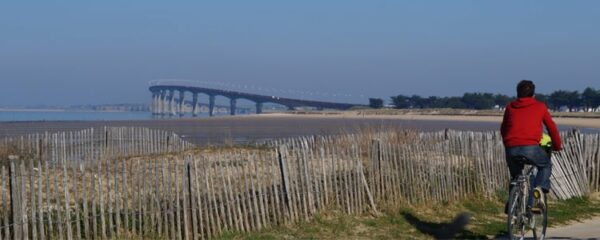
(585, 122)
(252, 128)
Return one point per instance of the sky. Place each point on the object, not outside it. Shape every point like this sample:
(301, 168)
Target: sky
(102, 52)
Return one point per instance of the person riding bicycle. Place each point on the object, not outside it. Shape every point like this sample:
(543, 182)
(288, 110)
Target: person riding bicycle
(522, 131)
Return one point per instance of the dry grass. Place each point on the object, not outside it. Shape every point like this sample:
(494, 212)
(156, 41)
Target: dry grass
(8, 149)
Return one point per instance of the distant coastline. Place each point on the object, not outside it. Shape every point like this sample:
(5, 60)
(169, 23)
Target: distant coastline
(31, 110)
(57, 110)
(97, 108)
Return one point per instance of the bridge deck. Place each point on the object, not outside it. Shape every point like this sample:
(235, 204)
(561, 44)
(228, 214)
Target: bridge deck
(259, 99)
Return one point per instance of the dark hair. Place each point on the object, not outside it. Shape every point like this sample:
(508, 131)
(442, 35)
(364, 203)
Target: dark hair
(525, 88)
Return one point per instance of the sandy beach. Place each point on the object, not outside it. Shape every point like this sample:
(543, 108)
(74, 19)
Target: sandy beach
(250, 128)
(581, 122)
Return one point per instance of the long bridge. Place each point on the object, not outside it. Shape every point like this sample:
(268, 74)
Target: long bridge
(164, 101)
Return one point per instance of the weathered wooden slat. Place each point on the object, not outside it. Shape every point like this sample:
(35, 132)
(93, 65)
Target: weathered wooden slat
(75, 181)
(177, 199)
(85, 200)
(23, 200)
(4, 185)
(199, 201)
(223, 192)
(32, 197)
(110, 200)
(56, 195)
(125, 196)
(209, 203)
(185, 200)
(164, 204)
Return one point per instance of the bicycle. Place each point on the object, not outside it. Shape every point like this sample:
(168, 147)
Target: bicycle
(521, 218)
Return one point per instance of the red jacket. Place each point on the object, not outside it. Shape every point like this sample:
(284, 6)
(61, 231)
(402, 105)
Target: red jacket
(522, 124)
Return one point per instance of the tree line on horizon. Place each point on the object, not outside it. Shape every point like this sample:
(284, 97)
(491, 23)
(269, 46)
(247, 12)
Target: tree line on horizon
(589, 98)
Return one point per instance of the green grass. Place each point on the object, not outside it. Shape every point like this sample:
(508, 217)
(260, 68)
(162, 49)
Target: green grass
(338, 226)
(562, 212)
(415, 222)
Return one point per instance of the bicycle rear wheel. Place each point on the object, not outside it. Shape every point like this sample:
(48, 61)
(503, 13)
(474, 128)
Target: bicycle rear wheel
(539, 222)
(516, 213)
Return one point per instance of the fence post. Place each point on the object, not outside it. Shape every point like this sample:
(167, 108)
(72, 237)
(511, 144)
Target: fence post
(376, 179)
(192, 206)
(446, 133)
(40, 148)
(105, 138)
(168, 144)
(186, 194)
(15, 201)
(284, 176)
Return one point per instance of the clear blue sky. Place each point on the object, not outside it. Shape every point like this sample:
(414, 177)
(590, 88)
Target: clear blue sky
(79, 52)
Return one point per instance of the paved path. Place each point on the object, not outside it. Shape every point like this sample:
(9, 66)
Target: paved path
(587, 229)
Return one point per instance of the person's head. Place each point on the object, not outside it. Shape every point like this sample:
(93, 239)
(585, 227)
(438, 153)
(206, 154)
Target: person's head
(525, 88)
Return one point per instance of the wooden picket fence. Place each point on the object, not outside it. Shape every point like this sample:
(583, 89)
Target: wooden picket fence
(88, 145)
(198, 195)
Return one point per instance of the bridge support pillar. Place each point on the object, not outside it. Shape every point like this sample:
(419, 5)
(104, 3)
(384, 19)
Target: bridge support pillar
(154, 105)
(259, 107)
(158, 103)
(165, 103)
(232, 103)
(161, 102)
(171, 96)
(181, 108)
(211, 105)
(195, 104)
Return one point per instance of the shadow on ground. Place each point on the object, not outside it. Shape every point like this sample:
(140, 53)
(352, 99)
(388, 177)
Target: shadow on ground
(450, 230)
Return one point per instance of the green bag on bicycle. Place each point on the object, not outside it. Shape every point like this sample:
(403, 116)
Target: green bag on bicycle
(546, 143)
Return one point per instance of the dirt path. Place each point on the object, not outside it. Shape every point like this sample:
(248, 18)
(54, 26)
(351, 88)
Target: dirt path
(587, 229)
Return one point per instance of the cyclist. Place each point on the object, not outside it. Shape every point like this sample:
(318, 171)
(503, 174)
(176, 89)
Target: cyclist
(522, 131)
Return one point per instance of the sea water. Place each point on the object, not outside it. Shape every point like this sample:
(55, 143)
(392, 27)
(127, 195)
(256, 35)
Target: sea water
(18, 116)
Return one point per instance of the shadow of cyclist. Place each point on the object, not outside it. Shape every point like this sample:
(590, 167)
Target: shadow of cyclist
(450, 230)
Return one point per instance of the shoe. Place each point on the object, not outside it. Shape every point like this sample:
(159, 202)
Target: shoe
(539, 201)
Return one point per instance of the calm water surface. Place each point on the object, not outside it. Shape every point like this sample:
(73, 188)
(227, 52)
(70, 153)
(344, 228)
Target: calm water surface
(17, 116)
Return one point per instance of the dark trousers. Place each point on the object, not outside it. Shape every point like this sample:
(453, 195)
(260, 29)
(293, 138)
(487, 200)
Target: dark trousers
(536, 156)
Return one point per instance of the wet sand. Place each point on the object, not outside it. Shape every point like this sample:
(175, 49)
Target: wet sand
(249, 128)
